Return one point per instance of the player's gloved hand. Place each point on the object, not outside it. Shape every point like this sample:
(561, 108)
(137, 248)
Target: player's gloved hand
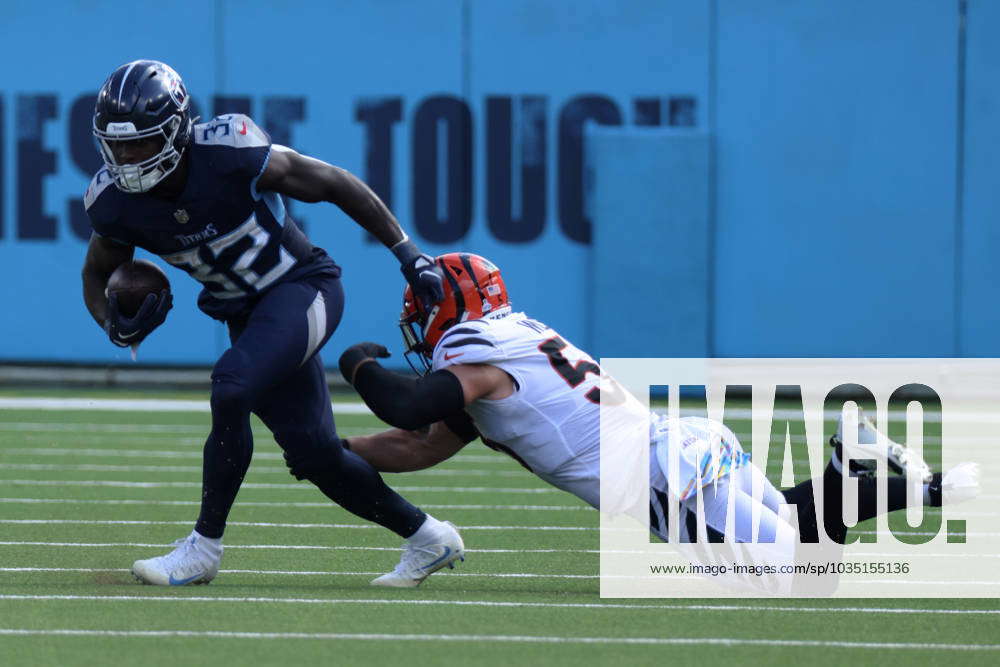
(421, 272)
(352, 357)
(124, 331)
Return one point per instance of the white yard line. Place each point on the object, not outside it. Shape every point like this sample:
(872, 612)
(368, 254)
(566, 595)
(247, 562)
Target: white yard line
(259, 469)
(262, 524)
(359, 408)
(492, 603)
(328, 504)
(139, 405)
(197, 454)
(323, 547)
(283, 547)
(100, 427)
(496, 575)
(266, 524)
(504, 639)
(850, 557)
(288, 486)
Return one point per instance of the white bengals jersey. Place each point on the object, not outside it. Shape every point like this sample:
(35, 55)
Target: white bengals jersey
(553, 416)
(552, 421)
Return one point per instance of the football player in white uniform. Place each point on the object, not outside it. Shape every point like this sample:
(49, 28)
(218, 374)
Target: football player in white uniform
(523, 389)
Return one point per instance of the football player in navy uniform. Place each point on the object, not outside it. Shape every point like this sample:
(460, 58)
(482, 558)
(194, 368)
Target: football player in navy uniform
(206, 198)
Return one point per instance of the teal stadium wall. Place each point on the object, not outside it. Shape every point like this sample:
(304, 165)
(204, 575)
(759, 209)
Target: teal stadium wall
(656, 178)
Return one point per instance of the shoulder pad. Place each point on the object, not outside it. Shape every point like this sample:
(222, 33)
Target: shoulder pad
(100, 181)
(234, 130)
(467, 343)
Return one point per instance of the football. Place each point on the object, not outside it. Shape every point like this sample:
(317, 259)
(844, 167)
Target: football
(133, 281)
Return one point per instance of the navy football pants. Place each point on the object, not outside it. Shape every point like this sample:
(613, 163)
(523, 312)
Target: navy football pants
(273, 369)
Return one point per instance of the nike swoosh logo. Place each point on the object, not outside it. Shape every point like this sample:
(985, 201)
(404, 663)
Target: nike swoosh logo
(447, 552)
(243, 130)
(449, 357)
(127, 336)
(181, 582)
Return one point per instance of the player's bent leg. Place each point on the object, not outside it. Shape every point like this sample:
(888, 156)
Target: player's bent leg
(283, 332)
(350, 481)
(194, 560)
(299, 415)
(229, 446)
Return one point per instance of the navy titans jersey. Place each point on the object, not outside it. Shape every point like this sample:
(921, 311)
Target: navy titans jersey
(232, 238)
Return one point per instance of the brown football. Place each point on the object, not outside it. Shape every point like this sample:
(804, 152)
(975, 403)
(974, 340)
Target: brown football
(133, 281)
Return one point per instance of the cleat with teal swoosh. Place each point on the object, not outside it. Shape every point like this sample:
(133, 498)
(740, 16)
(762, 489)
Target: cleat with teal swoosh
(195, 560)
(422, 559)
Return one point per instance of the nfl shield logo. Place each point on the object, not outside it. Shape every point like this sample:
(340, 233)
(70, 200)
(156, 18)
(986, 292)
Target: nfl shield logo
(181, 215)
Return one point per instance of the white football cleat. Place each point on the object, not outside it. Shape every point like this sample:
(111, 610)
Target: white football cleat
(898, 457)
(195, 561)
(961, 483)
(431, 548)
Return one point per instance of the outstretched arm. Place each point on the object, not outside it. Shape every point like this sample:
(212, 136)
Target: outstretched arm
(312, 180)
(405, 451)
(411, 403)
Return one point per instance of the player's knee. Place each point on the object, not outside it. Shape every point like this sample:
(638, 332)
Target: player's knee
(231, 392)
(307, 462)
(230, 396)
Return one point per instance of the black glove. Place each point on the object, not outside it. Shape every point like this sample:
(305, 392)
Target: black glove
(421, 272)
(125, 331)
(353, 355)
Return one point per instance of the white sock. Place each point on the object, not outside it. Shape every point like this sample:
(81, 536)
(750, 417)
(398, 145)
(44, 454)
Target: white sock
(428, 531)
(210, 545)
(837, 465)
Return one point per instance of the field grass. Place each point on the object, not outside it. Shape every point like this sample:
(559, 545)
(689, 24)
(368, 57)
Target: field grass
(83, 493)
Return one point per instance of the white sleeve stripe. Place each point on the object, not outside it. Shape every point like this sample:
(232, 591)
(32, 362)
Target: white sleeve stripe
(253, 184)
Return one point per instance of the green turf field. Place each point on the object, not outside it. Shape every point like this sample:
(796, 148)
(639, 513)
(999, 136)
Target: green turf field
(83, 493)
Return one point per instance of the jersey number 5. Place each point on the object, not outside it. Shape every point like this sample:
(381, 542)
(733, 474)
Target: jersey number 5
(576, 374)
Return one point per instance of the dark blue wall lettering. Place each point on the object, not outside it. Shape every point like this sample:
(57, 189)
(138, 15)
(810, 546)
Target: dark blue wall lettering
(279, 115)
(574, 115)
(378, 114)
(683, 111)
(500, 141)
(453, 114)
(83, 154)
(647, 111)
(223, 104)
(34, 162)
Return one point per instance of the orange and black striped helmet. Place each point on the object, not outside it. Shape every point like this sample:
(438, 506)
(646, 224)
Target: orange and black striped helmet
(473, 289)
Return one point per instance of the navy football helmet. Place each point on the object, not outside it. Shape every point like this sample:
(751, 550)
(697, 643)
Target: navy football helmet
(142, 99)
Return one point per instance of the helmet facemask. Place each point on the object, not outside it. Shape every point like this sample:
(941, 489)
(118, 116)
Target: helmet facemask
(141, 176)
(411, 324)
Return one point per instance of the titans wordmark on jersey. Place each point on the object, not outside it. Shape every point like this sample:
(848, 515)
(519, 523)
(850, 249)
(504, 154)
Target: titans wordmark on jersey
(235, 240)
